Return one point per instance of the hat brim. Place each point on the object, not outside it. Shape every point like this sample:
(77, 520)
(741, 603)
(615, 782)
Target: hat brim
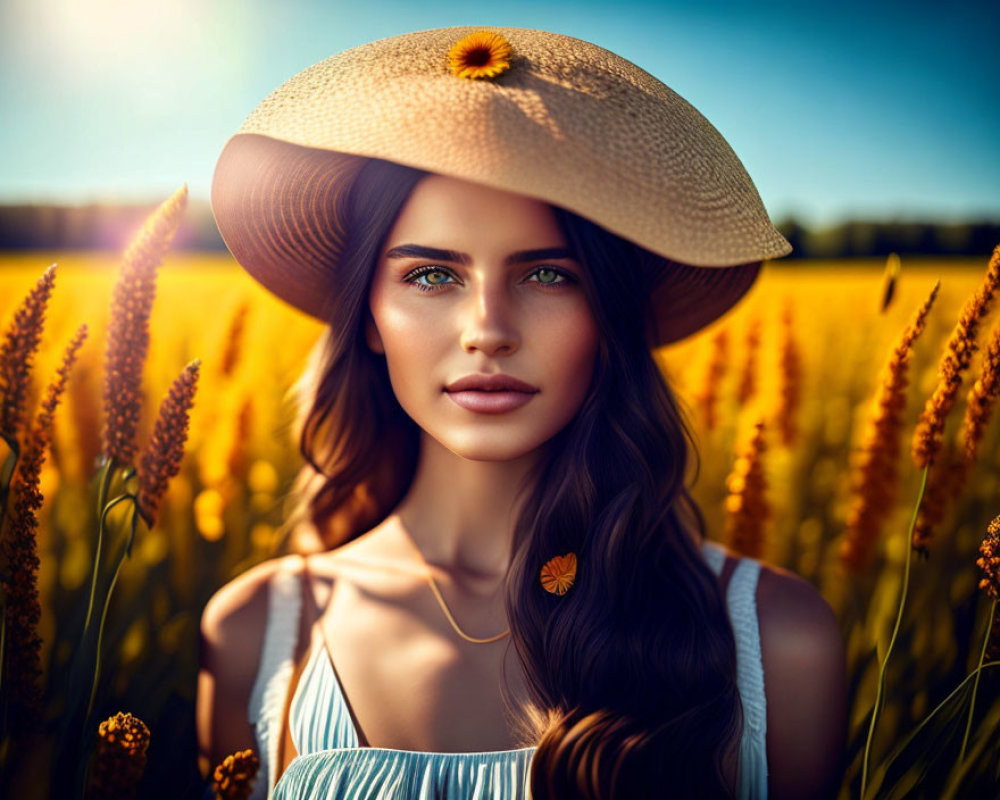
(275, 204)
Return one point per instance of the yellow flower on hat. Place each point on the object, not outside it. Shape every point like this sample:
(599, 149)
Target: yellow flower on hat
(480, 55)
(558, 573)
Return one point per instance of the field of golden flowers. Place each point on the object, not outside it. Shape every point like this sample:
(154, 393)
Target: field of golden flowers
(803, 400)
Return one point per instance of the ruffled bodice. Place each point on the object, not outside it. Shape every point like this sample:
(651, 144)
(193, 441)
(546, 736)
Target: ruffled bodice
(332, 765)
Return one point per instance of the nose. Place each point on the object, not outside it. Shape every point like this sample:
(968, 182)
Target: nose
(488, 324)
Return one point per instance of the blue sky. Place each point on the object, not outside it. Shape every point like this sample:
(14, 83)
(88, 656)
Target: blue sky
(866, 110)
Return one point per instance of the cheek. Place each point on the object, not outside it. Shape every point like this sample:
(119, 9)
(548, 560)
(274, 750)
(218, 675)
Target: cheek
(402, 329)
(574, 350)
(396, 320)
(411, 355)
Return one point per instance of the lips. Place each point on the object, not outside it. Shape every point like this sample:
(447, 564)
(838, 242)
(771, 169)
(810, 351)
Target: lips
(490, 394)
(490, 383)
(497, 402)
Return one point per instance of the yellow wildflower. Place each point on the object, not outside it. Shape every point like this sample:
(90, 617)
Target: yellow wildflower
(480, 55)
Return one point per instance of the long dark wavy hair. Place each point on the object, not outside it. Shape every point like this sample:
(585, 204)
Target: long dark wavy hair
(631, 674)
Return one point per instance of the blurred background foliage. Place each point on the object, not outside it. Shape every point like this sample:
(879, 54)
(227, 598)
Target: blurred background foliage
(223, 512)
(96, 226)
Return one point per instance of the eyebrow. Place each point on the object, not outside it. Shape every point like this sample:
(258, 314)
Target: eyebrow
(520, 257)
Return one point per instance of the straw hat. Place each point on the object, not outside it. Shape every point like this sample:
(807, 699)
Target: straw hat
(527, 111)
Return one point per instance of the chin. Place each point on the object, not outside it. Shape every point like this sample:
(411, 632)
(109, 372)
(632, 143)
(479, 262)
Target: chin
(492, 448)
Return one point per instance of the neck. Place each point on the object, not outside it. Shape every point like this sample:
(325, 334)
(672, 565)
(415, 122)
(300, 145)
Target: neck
(461, 513)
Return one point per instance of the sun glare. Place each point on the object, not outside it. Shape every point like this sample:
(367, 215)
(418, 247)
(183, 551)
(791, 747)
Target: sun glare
(87, 38)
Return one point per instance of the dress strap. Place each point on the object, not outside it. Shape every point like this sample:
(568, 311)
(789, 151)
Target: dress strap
(271, 684)
(299, 655)
(714, 555)
(742, 600)
(309, 593)
(314, 616)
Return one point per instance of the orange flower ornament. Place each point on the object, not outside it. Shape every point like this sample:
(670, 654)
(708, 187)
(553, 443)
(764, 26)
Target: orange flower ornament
(559, 573)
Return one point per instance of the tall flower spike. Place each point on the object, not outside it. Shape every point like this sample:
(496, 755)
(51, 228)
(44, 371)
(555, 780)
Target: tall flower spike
(239, 451)
(708, 398)
(875, 482)
(989, 563)
(989, 560)
(234, 778)
(120, 756)
(18, 348)
(943, 483)
(128, 329)
(234, 340)
(20, 551)
(162, 459)
(482, 54)
(749, 376)
(889, 279)
(747, 507)
(978, 407)
(981, 399)
(41, 435)
(791, 379)
(84, 407)
(957, 355)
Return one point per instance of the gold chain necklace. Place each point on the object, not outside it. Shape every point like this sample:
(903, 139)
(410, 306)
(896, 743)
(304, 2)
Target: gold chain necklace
(444, 606)
(451, 619)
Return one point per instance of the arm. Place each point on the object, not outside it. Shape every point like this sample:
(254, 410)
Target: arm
(232, 635)
(805, 677)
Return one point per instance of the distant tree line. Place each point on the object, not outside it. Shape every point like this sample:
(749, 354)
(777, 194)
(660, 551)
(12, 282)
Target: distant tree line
(99, 226)
(865, 238)
(111, 227)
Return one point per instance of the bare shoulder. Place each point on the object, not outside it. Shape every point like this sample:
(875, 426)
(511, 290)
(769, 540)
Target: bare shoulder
(233, 624)
(793, 613)
(235, 616)
(805, 683)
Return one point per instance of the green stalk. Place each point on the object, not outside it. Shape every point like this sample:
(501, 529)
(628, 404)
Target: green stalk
(947, 700)
(107, 509)
(102, 510)
(126, 552)
(975, 685)
(927, 719)
(879, 695)
(83, 769)
(104, 507)
(957, 776)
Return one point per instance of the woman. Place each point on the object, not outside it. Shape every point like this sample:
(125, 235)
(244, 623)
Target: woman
(497, 226)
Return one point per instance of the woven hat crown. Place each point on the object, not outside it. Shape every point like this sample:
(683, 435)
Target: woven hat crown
(565, 121)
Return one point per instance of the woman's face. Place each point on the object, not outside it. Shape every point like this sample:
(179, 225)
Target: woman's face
(474, 281)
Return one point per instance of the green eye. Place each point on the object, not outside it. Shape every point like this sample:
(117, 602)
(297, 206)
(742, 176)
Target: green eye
(428, 278)
(421, 278)
(551, 277)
